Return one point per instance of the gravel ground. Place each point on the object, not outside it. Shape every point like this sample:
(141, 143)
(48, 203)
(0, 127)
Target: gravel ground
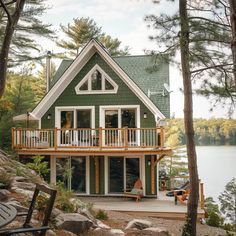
(120, 220)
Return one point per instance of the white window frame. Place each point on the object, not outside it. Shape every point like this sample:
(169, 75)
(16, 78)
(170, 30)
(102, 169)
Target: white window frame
(105, 77)
(74, 109)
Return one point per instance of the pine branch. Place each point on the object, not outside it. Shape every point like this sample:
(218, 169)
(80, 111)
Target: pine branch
(208, 20)
(210, 67)
(4, 6)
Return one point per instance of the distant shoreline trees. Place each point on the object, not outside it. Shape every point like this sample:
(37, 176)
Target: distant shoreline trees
(208, 132)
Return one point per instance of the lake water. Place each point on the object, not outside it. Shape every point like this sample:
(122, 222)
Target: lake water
(216, 167)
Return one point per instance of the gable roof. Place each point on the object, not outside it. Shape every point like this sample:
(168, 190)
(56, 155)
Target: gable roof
(69, 69)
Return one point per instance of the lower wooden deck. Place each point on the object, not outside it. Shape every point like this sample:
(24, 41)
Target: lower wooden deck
(162, 208)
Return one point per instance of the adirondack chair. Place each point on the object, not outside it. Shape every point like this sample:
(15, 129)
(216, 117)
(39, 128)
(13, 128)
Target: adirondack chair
(27, 228)
(183, 197)
(136, 192)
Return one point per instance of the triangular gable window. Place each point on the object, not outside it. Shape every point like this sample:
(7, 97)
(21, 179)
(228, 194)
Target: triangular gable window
(96, 82)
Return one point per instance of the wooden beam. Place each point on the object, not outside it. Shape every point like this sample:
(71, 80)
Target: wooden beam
(97, 174)
(202, 196)
(153, 174)
(53, 173)
(159, 159)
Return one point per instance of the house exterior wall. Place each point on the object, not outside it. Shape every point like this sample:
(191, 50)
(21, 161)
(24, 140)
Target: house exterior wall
(124, 96)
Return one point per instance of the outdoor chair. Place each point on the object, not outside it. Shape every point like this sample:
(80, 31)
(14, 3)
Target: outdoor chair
(27, 228)
(136, 192)
(183, 197)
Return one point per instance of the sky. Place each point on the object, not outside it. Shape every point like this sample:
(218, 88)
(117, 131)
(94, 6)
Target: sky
(124, 19)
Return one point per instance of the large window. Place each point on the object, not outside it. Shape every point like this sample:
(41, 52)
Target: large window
(96, 81)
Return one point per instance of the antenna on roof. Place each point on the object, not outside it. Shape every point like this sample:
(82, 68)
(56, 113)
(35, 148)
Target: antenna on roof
(166, 90)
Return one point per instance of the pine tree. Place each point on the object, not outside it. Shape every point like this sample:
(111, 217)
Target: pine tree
(81, 31)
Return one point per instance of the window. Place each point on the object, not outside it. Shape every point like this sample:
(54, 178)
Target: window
(96, 82)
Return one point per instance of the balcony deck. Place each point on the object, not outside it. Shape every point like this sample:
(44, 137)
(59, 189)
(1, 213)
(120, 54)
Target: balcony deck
(128, 141)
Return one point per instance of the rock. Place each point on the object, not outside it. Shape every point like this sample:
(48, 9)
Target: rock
(64, 233)
(56, 212)
(23, 185)
(116, 232)
(101, 225)
(108, 232)
(88, 215)
(20, 179)
(73, 222)
(18, 206)
(27, 193)
(4, 194)
(50, 233)
(157, 231)
(138, 224)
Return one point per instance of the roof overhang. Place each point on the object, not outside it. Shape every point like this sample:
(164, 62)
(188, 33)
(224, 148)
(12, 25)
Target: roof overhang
(88, 51)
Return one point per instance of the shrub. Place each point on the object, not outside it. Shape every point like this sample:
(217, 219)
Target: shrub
(5, 180)
(101, 215)
(39, 166)
(63, 199)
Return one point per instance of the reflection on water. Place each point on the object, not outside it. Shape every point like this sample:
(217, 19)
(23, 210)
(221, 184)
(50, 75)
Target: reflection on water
(216, 167)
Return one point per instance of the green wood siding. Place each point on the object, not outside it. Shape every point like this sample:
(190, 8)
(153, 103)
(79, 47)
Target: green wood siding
(124, 96)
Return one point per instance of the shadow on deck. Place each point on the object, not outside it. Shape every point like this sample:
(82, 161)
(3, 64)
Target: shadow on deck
(163, 207)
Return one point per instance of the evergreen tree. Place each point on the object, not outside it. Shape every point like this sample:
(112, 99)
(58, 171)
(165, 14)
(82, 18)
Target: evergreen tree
(81, 31)
(228, 202)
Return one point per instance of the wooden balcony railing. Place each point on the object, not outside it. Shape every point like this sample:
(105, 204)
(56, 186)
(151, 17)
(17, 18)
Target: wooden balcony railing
(87, 138)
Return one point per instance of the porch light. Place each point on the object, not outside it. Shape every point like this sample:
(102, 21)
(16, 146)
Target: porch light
(49, 116)
(145, 115)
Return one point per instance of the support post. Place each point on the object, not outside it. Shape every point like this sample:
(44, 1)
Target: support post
(162, 136)
(12, 138)
(100, 138)
(53, 173)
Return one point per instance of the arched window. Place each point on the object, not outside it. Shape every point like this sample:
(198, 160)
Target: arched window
(95, 82)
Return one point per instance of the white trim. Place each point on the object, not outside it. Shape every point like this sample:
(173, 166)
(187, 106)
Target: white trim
(87, 173)
(105, 77)
(118, 107)
(157, 179)
(106, 174)
(143, 176)
(74, 69)
(73, 108)
(40, 123)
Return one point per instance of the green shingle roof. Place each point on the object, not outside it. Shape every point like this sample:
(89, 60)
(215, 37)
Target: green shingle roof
(148, 72)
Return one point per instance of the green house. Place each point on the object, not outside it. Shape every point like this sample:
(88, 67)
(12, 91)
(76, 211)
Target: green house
(101, 122)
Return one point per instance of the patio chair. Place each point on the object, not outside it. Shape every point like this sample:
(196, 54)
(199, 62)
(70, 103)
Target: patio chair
(27, 228)
(136, 192)
(183, 187)
(183, 197)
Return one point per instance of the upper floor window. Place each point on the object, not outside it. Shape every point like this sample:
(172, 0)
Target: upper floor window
(95, 82)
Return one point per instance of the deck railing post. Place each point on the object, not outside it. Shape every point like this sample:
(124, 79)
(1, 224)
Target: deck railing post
(55, 138)
(202, 196)
(100, 137)
(126, 137)
(12, 138)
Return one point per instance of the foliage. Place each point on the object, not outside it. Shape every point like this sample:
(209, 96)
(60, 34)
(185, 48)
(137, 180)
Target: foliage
(101, 215)
(22, 93)
(228, 202)
(29, 25)
(39, 166)
(209, 42)
(63, 199)
(5, 180)
(212, 210)
(81, 31)
(207, 132)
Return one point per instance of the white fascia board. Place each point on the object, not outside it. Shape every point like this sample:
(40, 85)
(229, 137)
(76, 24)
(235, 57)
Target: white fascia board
(64, 81)
(131, 84)
(74, 69)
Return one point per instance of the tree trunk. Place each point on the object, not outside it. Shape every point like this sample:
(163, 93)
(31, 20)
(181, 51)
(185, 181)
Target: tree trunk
(190, 226)
(232, 4)
(9, 31)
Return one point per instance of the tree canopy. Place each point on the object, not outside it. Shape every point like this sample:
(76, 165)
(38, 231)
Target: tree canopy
(81, 31)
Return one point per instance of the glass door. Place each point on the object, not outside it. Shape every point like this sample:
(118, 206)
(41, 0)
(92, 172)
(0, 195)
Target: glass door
(132, 172)
(111, 124)
(116, 174)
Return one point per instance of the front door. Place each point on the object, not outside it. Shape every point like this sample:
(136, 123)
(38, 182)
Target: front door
(122, 173)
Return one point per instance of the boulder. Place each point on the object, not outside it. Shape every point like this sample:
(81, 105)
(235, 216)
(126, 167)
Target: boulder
(4, 194)
(73, 222)
(138, 224)
(50, 233)
(157, 231)
(64, 233)
(101, 225)
(23, 185)
(108, 232)
(18, 206)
